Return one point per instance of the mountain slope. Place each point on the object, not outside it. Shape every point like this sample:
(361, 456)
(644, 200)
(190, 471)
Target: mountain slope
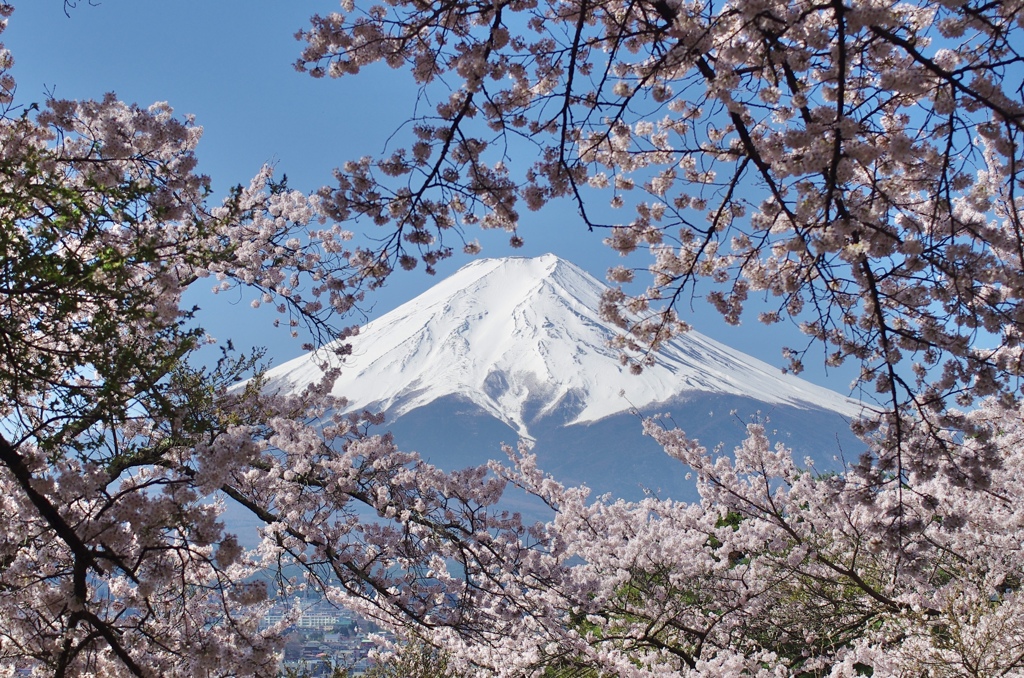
(521, 340)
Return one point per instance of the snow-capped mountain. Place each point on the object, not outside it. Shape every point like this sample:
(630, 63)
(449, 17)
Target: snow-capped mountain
(522, 337)
(516, 347)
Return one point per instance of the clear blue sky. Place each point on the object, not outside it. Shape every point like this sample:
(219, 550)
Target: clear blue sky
(229, 62)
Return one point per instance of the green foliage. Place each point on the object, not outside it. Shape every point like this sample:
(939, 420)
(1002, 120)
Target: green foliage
(416, 660)
(306, 672)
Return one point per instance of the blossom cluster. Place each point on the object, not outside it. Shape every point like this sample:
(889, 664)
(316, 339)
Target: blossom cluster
(777, 571)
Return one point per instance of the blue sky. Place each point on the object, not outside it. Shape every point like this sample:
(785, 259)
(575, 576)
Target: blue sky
(229, 63)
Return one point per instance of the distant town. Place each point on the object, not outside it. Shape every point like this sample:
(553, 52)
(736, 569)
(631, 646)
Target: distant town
(325, 637)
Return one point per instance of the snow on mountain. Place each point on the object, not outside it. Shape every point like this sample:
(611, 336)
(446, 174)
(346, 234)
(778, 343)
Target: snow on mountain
(522, 338)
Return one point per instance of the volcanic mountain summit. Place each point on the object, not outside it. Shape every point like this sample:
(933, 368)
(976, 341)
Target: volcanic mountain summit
(516, 348)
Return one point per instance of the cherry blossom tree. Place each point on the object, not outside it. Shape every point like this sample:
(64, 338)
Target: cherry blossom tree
(854, 164)
(777, 571)
(114, 452)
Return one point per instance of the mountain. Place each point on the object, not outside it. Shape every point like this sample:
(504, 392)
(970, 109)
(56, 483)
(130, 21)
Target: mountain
(516, 348)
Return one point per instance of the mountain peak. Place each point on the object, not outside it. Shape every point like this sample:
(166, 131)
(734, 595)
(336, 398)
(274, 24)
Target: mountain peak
(522, 339)
(501, 280)
(539, 266)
